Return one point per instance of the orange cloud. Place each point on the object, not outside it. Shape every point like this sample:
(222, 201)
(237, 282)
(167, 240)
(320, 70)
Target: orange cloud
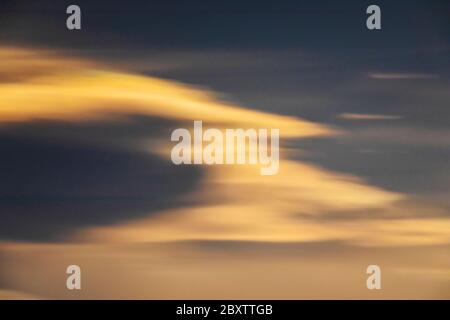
(72, 89)
(236, 202)
(231, 203)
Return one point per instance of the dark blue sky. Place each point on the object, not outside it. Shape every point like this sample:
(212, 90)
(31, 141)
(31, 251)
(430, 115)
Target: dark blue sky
(322, 26)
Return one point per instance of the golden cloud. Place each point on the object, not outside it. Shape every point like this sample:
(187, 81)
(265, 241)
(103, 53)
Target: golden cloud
(246, 206)
(233, 202)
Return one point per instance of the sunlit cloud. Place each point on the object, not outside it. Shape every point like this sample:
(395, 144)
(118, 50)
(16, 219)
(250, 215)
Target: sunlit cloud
(231, 203)
(219, 270)
(247, 206)
(234, 202)
(76, 90)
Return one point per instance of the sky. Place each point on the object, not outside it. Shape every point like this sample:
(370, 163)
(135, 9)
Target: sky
(85, 124)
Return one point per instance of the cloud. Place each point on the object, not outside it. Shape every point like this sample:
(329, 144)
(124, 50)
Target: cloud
(220, 269)
(229, 202)
(404, 135)
(88, 168)
(365, 116)
(16, 295)
(89, 146)
(80, 92)
(53, 185)
(239, 204)
(402, 76)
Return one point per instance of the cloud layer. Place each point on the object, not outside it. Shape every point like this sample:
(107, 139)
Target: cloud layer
(88, 159)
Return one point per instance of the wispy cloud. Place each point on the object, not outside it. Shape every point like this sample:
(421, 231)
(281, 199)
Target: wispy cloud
(404, 135)
(401, 76)
(76, 90)
(365, 116)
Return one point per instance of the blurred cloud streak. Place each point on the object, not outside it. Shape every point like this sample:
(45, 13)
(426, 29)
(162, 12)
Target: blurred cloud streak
(229, 203)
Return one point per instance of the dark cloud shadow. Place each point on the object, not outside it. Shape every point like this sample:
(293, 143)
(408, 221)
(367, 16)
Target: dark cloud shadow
(57, 177)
